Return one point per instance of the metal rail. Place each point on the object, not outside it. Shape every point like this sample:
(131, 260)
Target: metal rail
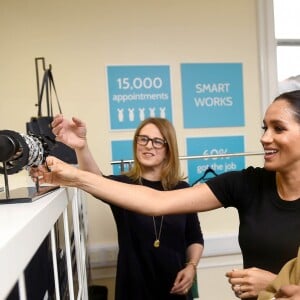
(130, 161)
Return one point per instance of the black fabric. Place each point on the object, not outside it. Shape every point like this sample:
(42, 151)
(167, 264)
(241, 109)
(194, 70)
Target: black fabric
(98, 292)
(14, 293)
(145, 272)
(39, 277)
(269, 233)
(41, 126)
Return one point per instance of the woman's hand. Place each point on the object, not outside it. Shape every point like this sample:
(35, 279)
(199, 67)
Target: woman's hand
(71, 133)
(184, 280)
(56, 172)
(247, 283)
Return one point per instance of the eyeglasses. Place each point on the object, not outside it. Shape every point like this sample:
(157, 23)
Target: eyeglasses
(157, 143)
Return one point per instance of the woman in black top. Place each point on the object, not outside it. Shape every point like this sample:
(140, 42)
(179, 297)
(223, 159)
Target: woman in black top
(158, 255)
(267, 199)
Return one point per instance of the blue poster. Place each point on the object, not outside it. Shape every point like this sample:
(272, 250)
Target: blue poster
(212, 95)
(212, 146)
(121, 150)
(136, 93)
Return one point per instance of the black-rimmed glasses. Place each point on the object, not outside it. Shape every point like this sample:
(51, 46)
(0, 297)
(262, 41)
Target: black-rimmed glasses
(157, 143)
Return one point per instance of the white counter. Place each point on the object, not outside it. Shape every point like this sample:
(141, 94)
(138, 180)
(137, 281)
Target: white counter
(24, 226)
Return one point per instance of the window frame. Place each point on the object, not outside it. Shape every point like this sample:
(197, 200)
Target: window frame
(267, 52)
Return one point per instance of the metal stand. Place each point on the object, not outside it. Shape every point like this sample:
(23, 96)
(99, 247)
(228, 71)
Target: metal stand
(23, 194)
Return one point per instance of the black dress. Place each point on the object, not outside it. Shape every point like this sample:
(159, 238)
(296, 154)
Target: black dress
(143, 271)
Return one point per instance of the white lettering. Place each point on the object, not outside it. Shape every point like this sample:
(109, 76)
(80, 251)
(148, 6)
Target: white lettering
(213, 101)
(212, 87)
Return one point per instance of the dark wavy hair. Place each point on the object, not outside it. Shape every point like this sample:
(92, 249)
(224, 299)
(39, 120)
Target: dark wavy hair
(293, 98)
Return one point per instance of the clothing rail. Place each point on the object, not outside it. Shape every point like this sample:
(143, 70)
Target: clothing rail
(129, 161)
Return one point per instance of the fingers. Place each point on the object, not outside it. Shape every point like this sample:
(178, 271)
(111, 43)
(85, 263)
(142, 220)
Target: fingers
(39, 175)
(57, 125)
(44, 173)
(236, 273)
(52, 161)
(181, 286)
(78, 122)
(35, 174)
(235, 279)
(57, 119)
(180, 291)
(238, 290)
(66, 130)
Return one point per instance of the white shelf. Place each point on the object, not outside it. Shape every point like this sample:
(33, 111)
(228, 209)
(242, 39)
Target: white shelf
(24, 226)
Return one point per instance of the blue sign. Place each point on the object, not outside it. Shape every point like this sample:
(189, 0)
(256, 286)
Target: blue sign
(121, 150)
(136, 93)
(212, 95)
(208, 146)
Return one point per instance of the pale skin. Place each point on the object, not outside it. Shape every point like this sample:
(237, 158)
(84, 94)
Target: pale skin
(74, 132)
(280, 141)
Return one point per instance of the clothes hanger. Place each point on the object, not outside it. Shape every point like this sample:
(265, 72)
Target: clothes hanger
(207, 171)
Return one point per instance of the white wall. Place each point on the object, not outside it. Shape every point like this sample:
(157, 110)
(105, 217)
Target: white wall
(79, 38)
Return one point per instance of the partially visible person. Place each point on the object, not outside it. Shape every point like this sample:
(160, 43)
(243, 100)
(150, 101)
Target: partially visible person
(288, 292)
(267, 199)
(158, 255)
(286, 284)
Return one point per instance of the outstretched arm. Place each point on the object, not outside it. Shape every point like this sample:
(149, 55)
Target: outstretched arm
(73, 133)
(133, 197)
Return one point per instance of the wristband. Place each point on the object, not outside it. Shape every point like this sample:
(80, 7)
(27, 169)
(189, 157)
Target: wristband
(193, 264)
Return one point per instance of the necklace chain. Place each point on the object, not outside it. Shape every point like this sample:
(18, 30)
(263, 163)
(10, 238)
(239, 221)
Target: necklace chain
(156, 243)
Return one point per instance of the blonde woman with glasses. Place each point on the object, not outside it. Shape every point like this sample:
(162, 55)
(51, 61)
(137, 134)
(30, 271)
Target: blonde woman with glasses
(158, 255)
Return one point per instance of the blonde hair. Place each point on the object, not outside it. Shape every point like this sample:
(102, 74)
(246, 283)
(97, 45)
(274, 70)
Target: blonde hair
(171, 173)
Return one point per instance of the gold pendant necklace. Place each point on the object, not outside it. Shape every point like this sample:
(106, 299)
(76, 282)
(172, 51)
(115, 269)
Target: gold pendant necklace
(156, 243)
